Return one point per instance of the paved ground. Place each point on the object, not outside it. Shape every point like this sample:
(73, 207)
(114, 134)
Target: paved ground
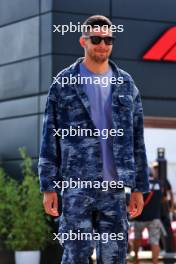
(145, 262)
(145, 258)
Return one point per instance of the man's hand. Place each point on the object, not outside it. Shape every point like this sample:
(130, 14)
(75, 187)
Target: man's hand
(50, 203)
(136, 204)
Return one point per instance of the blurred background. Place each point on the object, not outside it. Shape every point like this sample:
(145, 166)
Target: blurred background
(31, 54)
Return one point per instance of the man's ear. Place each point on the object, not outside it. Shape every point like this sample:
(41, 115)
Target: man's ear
(82, 42)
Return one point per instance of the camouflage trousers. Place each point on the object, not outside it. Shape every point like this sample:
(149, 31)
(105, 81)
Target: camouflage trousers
(94, 213)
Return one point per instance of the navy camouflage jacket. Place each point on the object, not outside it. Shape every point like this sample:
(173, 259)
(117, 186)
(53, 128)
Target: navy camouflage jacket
(80, 157)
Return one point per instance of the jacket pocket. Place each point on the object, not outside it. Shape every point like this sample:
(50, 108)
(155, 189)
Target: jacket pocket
(124, 102)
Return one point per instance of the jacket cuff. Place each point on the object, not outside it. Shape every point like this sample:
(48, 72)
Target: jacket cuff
(142, 190)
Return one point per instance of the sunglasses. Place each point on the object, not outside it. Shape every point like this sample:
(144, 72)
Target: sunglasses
(95, 40)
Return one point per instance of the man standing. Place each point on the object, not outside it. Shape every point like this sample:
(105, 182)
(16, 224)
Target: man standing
(118, 158)
(150, 218)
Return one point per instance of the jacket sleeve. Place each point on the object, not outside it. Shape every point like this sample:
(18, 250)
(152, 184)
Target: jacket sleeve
(50, 154)
(141, 165)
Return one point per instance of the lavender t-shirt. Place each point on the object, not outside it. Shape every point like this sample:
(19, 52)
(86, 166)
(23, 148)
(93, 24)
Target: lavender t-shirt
(99, 96)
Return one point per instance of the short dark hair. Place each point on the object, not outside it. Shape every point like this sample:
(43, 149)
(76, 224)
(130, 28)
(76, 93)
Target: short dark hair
(96, 20)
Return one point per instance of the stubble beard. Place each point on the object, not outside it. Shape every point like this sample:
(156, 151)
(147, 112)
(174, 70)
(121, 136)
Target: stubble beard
(98, 58)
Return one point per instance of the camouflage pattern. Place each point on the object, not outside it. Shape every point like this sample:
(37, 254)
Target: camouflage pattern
(80, 157)
(94, 211)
